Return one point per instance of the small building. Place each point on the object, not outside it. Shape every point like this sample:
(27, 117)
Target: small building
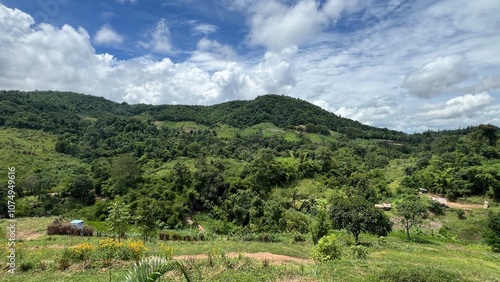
(77, 223)
(423, 190)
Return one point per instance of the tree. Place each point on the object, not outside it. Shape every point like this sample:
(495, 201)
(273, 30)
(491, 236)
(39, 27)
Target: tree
(412, 210)
(119, 218)
(492, 232)
(320, 227)
(146, 217)
(357, 215)
(82, 189)
(124, 174)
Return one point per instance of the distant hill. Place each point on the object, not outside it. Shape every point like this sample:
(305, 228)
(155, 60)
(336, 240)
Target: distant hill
(48, 110)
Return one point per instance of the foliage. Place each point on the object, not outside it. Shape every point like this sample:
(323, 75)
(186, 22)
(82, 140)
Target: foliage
(357, 215)
(66, 229)
(152, 269)
(492, 233)
(411, 210)
(119, 218)
(436, 208)
(81, 252)
(359, 251)
(328, 248)
(320, 227)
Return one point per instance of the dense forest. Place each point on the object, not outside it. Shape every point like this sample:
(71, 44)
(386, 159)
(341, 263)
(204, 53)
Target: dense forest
(266, 164)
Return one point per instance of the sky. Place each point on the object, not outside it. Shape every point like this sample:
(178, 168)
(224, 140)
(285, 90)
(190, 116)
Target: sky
(404, 65)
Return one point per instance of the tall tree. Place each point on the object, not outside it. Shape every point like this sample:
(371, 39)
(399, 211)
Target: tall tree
(118, 220)
(411, 210)
(357, 215)
(492, 232)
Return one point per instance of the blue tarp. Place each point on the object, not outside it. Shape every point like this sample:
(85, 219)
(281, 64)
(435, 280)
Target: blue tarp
(78, 223)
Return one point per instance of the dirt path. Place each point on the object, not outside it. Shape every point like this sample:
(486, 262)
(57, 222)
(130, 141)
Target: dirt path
(458, 205)
(273, 258)
(28, 235)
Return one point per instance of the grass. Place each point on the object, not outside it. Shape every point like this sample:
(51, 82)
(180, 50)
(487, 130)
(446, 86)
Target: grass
(424, 259)
(32, 151)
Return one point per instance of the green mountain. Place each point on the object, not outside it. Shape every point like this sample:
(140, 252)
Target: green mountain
(50, 110)
(244, 162)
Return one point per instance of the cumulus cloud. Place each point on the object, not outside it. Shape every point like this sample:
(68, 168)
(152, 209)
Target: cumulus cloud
(107, 36)
(468, 105)
(160, 39)
(277, 25)
(438, 76)
(63, 59)
(204, 28)
(211, 55)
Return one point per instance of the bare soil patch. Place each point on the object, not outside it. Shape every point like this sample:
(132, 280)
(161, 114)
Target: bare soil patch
(28, 235)
(272, 258)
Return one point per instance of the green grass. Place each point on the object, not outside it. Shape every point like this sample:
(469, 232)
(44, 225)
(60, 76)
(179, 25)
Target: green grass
(31, 151)
(394, 258)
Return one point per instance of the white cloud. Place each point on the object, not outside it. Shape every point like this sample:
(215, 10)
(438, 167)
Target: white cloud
(469, 105)
(212, 56)
(204, 28)
(359, 73)
(107, 36)
(126, 1)
(160, 39)
(438, 76)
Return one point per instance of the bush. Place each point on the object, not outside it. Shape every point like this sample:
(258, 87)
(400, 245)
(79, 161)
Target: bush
(81, 252)
(460, 213)
(320, 227)
(436, 208)
(492, 232)
(65, 260)
(328, 248)
(359, 252)
(167, 251)
(27, 266)
(66, 229)
(297, 238)
(183, 236)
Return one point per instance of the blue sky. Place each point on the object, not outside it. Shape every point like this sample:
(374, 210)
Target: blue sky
(404, 65)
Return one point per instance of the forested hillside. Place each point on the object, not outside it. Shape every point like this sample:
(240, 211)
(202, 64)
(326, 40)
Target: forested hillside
(266, 164)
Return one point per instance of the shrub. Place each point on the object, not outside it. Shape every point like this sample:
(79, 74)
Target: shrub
(320, 226)
(167, 251)
(136, 249)
(460, 213)
(65, 259)
(27, 266)
(81, 252)
(436, 208)
(107, 250)
(328, 248)
(66, 229)
(299, 238)
(359, 252)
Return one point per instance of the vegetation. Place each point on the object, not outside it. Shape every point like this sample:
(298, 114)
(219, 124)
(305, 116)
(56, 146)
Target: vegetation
(357, 215)
(275, 174)
(492, 233)
(411, 210)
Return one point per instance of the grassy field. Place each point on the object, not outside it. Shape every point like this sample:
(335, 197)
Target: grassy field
(31, 152)
(432, 258)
